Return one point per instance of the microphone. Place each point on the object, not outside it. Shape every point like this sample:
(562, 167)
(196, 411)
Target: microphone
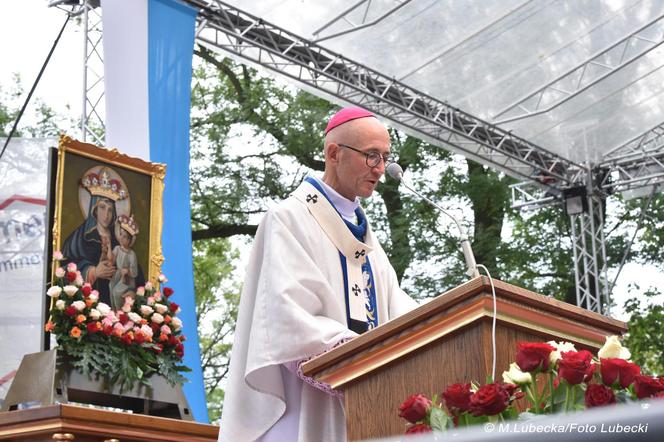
(396, 172)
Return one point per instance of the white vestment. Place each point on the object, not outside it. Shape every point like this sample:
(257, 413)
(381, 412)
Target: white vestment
(292, 308)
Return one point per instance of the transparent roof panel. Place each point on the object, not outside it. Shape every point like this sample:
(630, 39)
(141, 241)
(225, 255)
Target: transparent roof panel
(577, 77)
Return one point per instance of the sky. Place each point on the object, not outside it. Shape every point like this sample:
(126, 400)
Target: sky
(28, 29)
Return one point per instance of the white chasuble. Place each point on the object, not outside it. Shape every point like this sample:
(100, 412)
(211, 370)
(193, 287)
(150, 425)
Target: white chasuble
(292, 308)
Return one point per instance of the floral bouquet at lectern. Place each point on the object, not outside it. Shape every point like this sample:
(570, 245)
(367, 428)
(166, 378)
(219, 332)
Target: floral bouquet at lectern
(551, 377)
(124, 346)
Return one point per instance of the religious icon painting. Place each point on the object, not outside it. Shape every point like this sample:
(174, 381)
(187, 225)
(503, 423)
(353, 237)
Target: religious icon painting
(107, 218)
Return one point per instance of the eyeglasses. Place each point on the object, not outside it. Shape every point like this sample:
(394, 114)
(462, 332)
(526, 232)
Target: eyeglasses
(373, 158)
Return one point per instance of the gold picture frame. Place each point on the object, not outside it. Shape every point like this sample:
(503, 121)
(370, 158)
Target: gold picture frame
(89, 180)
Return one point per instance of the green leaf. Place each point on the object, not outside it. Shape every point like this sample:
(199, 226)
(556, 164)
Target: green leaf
(438, 420)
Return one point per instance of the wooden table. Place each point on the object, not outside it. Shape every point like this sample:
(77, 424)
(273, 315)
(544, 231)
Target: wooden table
(75, 423)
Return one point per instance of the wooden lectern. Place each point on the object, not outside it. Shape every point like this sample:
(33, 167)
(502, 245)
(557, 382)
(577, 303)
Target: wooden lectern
(445, 341)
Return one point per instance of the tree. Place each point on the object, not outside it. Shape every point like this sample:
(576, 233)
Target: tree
(217, 299)
(254, 139)
(645, 338)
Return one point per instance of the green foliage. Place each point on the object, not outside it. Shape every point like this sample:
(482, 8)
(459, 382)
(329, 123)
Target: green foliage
(645, 337)
(217, 300)
(39, 120)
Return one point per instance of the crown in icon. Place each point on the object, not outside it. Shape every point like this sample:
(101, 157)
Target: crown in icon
(128, 223)
(102, 185)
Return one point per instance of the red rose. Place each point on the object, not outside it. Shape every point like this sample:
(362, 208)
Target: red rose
(107, 330)
(615, 369)
(598, 395)
(86, 289)
(182, 338)
(155, 327)
(574, 366)
(93, 327)
(172, 340)
(71, 311)
(139, 338)
(418, 428)
(531, 356)
(489, 400)
(647, 386)
(71, 276)
(414, 408)
(167, 291)
(179, 350)
(127, 338)
(123, 318)
(174, 307)
(457, 398)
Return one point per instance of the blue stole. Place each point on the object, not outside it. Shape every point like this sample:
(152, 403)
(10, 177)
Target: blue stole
(369, 291)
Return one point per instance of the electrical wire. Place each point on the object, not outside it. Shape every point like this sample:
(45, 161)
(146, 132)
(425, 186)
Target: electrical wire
(34, 86)
(493, 324)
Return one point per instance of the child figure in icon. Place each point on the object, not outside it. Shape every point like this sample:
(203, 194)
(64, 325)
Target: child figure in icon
(123, 282)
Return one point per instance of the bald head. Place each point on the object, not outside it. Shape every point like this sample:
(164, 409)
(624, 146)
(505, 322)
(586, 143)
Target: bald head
(346, 170)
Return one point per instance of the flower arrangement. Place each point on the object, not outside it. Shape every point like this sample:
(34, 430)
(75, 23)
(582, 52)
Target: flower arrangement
(550, 377)
(124, 347)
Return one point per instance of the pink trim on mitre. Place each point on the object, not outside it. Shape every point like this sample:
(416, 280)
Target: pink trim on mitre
(296, 368)
(345, 115)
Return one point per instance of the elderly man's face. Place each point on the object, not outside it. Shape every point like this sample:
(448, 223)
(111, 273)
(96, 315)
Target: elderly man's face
(355, 177)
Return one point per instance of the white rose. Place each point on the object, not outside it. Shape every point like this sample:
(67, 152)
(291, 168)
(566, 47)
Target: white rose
(157, 318)
(71, 267)
(60, 304)
(54, 291)
(103, 308)
(78, 305)
(560, 348)
(95, 314)
(146, 310)
(147, 330)
(70, 290)
(150, 300)
(176, 323)
(94, 296)
(613, 349)
(161, 308)
(140, 291)
(148, 285)
(162, 278)
(79, 279)
(59, 272)
(516, 376)
(57, 255)
(135, 317)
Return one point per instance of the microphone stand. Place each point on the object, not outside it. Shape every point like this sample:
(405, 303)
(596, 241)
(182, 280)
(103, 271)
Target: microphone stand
(471, 265)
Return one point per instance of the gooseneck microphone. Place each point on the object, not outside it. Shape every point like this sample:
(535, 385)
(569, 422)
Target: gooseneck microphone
(395, 171)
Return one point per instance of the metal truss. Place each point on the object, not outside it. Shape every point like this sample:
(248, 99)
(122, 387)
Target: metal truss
(251, 39)
(590, 257)
(637, 163)
(648, 143)
(585, 75)
(528, 195)
(363, 22)
(92, 121)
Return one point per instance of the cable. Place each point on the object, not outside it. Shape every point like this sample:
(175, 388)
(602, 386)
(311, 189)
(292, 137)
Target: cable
(493, 324)
(34, 86)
